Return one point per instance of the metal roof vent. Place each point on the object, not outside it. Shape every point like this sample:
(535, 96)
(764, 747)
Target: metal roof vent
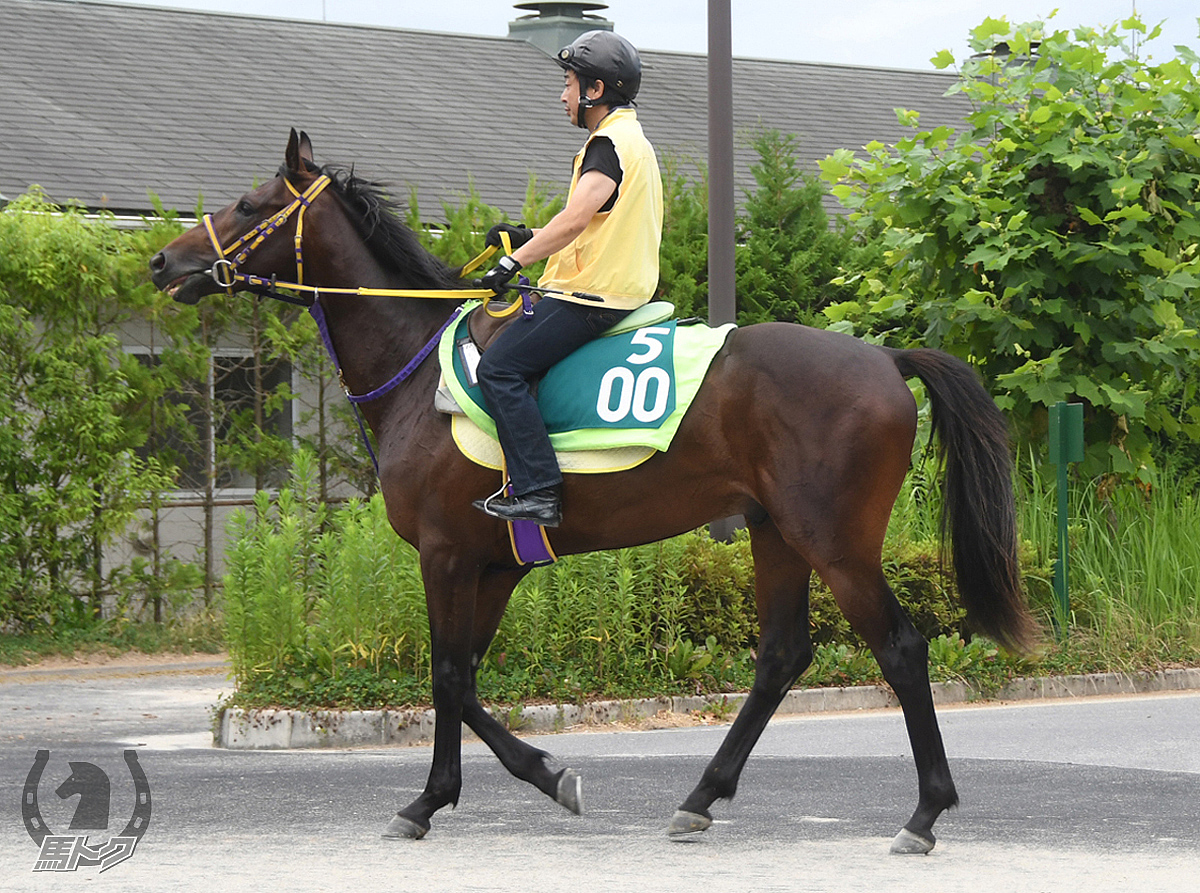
(554, 25)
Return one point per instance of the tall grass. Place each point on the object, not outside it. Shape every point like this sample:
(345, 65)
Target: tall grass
(319, 591)
(1134, 557)
(316, 597)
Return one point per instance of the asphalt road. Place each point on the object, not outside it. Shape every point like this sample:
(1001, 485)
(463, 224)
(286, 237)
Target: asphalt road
(1090, 795)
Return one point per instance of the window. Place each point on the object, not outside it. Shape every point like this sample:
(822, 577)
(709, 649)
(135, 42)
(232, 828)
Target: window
(199, 426)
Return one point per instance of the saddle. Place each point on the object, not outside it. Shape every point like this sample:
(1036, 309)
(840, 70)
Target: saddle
(609, 406)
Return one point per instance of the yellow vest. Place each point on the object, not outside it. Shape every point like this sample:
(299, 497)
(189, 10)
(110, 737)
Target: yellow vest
(616, 256)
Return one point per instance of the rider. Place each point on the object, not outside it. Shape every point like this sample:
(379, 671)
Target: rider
(603, 244)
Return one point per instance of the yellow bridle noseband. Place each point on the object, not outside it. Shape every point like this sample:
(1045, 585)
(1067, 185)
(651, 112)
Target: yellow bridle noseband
(224, 270)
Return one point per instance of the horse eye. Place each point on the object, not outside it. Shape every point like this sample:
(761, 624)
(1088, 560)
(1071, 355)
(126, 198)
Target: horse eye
(244, 208)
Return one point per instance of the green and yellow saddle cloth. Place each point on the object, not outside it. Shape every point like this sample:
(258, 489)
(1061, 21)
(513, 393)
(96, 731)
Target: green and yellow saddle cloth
(609, 406)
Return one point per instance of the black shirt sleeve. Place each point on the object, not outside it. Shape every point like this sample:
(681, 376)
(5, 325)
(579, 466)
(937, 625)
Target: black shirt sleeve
(601, 155)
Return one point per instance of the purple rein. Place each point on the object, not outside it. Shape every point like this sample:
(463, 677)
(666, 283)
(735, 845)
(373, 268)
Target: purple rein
(318, 315)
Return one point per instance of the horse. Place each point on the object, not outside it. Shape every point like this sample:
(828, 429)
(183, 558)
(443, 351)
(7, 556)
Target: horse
(806, 433)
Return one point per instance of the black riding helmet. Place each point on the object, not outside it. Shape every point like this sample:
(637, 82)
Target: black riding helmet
(602, 55)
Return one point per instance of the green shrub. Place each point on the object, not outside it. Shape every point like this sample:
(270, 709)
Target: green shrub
(1052, 239)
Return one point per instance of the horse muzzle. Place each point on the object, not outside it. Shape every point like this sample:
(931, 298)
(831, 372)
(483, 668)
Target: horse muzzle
(186, 287)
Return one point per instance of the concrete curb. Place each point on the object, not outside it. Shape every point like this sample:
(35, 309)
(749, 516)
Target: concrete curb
(268, 729)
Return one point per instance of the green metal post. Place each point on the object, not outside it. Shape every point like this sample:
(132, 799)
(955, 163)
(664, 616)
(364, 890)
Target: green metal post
(1066, 446)
(1062, 563)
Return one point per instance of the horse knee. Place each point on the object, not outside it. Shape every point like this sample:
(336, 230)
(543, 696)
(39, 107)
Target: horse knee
(451, 685)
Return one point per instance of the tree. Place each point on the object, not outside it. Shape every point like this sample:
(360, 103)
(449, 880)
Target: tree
(1053, 241)
(787, 252)
(683, 254)
(71, 476)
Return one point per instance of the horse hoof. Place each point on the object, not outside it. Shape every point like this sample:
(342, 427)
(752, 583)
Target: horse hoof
(909, 844)
(570, 791)
(687, 823)
(400, 828)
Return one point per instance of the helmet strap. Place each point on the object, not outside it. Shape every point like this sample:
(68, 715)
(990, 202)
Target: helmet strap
(584, 102)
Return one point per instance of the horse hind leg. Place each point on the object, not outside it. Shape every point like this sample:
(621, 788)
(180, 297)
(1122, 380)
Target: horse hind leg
(903, 655)
(784, 652)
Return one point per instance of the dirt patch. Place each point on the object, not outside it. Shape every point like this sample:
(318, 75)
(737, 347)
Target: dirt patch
(664, 719)
(131, 663)
(132, 659)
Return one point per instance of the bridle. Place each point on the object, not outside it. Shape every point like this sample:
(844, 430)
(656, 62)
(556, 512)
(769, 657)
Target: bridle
(225, 273)
(225, 270)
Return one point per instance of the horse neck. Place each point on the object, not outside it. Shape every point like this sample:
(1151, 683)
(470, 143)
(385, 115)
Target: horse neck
(374, 337)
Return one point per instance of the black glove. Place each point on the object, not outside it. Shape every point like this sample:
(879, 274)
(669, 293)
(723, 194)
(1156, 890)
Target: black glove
(518, 235)
(497, 278)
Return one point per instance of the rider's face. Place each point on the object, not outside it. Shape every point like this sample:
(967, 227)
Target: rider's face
(570, 95)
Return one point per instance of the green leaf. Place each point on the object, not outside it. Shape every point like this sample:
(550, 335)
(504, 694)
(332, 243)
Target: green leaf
(839, 311)
(944, 59)
(836, 166)
(989, 28)
(1185, 142)
(1125, 187)
(1129, 212)
(1156, 258)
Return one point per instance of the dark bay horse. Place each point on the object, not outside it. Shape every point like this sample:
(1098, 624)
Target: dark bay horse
(806, 433)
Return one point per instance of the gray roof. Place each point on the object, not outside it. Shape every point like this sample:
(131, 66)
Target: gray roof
(102, 104)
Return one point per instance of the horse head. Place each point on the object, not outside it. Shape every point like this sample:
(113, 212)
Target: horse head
(204, 259)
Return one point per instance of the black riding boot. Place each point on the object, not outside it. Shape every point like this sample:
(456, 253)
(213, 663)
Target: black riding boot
(541, 506)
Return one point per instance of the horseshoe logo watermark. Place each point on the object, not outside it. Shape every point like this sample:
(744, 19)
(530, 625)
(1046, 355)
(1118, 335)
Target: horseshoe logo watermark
(69, 852)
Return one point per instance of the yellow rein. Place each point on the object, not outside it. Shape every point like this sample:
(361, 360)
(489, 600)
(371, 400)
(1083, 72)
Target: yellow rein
(224, 271)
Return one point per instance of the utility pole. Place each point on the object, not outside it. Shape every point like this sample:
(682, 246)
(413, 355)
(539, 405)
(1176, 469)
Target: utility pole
(722, 305)
(721, 302)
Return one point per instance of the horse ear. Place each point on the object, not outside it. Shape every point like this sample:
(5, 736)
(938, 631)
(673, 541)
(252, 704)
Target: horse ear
(292, 156)
(299, 155)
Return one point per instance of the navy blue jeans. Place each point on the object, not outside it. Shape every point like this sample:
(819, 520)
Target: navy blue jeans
(520, 354)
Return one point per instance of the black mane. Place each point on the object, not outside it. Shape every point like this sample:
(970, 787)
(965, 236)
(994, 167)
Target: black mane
(377, 219)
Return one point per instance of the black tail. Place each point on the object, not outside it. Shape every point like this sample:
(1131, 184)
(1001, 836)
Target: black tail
(977, 504)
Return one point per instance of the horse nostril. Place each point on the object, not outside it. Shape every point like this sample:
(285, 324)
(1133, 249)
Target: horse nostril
(158, 263)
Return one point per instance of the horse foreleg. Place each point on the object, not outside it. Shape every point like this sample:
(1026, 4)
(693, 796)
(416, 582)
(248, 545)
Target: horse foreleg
(784, 652)
(524, 761)
(903, 656)
(451, 603)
